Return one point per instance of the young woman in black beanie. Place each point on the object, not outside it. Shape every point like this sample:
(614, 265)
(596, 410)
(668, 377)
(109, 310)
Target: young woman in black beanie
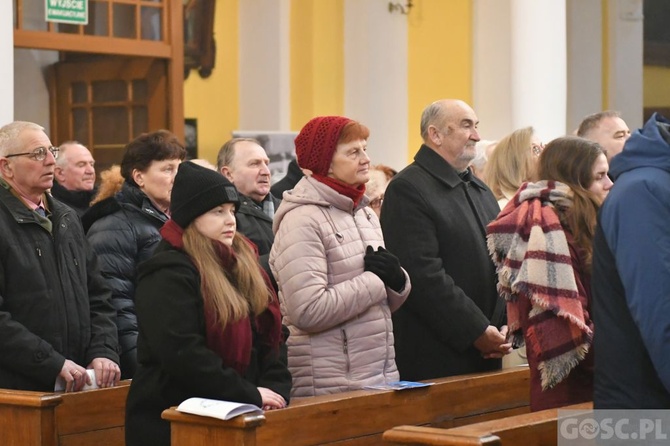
(209, 322)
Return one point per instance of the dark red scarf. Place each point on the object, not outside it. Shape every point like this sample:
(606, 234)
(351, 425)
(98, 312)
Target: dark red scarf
(234, 342)
(355, 193)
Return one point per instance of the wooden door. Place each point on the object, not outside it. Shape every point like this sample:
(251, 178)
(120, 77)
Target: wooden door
(106, 103)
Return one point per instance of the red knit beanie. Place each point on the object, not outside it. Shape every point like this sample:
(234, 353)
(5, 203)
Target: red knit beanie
(317, 141)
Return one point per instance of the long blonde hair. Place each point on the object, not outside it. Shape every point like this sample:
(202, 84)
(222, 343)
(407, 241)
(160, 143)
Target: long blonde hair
(230, 293)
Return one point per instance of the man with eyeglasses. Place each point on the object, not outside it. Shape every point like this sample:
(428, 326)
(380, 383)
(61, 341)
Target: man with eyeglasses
(74, 184)
(434, 219)
(56, 320)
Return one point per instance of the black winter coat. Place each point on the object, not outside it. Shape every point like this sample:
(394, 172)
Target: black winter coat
(54, 304)
(77, 200)
(255, 224)
(174, 362)
(124, 231)
(435, 223)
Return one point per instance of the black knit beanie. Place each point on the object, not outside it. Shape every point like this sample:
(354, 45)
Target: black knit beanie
(196, 190)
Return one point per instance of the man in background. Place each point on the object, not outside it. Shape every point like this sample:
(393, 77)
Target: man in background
(244, 162)
(607, 129)
(75, 176)
(434, 219)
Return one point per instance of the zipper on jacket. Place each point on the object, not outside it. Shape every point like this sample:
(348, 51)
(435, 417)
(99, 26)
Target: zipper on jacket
(39, 252)
(345, 345)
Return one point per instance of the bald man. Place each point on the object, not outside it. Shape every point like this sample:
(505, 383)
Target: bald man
(74, 173)
(434, 219)
(608, 129)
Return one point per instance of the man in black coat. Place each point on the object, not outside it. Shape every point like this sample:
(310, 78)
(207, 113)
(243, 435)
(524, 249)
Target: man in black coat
(74, 184)
(244, 162)
(56, 319)
(434, 219)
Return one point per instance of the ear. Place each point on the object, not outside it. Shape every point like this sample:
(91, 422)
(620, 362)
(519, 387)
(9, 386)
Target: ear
(226, 172)
(60, 176)
(138, 177)
(434, 135)
(5, 168)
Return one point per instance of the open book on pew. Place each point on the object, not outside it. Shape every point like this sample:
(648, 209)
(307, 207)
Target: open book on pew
(224, 410)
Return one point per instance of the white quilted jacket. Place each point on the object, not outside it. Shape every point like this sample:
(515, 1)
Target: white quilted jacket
(339, 315)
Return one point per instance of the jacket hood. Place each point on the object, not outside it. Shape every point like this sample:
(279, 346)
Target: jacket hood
(646, 147)
(309, 191)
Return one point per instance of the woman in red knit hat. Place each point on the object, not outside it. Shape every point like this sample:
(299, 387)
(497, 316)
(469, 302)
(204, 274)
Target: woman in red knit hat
(337, 283)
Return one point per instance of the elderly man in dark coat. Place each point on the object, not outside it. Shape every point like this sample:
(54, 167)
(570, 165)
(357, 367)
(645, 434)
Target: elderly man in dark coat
(434, 219)
(56, 320)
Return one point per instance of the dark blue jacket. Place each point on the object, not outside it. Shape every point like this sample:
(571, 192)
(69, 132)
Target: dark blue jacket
(631, 276)
(123, 232)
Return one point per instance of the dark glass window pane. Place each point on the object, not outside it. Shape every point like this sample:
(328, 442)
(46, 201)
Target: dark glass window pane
(151, 23)
(79, 93)
(140, 90)
(140, 121)
(124, 21)
(80, 124)
(98, 16)
(109, 91)
(110, 125)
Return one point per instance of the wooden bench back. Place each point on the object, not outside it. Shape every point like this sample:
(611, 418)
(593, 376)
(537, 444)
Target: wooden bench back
(91, 418)
(361, 417)
(531, 429)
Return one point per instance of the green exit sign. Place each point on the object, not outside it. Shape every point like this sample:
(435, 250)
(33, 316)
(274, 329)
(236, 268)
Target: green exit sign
(67, 11)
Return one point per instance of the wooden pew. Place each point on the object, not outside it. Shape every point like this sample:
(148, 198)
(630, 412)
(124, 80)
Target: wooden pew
(361, 417)
(90, 418)
(531, 429)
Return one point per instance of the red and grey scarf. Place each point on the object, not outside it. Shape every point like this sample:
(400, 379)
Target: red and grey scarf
(530, 250)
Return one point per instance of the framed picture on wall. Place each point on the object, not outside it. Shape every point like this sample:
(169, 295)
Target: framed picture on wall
(191, 137)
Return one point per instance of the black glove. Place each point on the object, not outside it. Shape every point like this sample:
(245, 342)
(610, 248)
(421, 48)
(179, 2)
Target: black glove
(386, 266)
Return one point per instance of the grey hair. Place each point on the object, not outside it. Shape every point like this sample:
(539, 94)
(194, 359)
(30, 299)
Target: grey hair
(434, 113)
(9, 135)
(227, 152)
(592, 121)
(61, 161)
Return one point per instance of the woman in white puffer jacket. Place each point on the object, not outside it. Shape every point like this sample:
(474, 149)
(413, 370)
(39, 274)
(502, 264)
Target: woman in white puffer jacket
(337, 284)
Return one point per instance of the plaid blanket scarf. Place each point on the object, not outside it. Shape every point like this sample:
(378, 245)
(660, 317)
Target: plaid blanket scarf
(530, 250)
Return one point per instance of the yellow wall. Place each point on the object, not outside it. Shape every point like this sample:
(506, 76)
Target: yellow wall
(439, 58)
(317, 59)
(214, 101)
(656, 86)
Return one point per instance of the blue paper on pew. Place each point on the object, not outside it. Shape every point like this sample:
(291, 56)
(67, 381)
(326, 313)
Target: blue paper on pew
(398, 385)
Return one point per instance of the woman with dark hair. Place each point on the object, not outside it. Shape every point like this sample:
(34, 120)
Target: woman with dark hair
(337, 283)
(209, 319)
(122, 225)
(541, 244)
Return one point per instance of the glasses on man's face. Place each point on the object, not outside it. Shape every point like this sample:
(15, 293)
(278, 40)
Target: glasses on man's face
(377, 202)
(38, 154)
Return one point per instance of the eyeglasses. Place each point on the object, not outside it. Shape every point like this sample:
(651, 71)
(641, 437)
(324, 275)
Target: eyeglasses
(537, 149)
(377, 202)
(39, 153)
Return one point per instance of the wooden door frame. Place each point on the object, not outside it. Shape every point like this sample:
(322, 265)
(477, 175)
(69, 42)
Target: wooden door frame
(171, 49)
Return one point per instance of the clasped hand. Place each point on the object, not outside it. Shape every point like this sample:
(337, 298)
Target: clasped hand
(386, 266)
(493, 343)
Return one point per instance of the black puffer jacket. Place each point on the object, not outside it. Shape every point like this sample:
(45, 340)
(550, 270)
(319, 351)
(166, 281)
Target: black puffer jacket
(123, 231)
